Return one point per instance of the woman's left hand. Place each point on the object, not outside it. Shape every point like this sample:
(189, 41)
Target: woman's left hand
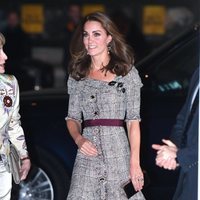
(137, 176)
(26, 165)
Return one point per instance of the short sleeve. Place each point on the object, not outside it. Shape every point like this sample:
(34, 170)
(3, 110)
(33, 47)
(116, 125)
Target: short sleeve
(133, 86)
(71, 85)
(74, 108)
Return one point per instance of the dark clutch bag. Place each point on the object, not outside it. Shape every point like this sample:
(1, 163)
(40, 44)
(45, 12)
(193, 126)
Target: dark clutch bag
(14, 163)
(129, 188)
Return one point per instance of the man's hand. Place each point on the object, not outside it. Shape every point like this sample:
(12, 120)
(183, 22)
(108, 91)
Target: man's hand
(166, 155)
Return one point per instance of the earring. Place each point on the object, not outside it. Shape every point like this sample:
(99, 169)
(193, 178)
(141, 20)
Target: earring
(109, 48)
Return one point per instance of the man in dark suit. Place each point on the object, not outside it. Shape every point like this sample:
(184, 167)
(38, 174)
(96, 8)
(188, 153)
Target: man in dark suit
(181, 151)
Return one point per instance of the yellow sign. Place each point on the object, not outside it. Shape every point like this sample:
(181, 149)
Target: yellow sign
(89, 8)
(32, 18)
(154, 20)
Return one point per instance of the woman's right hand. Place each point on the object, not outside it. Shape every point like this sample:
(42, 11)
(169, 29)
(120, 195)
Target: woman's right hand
(86, 147)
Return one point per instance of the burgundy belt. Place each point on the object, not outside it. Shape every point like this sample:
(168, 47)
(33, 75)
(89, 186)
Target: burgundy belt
(103, 122)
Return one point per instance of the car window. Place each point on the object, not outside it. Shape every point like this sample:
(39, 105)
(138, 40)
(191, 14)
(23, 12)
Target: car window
(173, 72)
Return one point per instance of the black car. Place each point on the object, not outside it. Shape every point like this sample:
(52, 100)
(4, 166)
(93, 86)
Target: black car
(165, 75)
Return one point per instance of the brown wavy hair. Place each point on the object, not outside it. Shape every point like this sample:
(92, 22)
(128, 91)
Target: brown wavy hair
(2, 39)
(121, 54)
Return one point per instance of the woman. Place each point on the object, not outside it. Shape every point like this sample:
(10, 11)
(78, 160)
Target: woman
(10, 127)
(104, 89)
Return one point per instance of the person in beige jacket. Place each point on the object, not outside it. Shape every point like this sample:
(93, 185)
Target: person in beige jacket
(10, 127)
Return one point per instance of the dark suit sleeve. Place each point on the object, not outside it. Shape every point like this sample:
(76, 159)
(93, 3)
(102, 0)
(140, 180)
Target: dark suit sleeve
(187, 156)
(177, 131)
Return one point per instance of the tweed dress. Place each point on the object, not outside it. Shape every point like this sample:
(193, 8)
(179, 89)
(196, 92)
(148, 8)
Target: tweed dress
(101, 177)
